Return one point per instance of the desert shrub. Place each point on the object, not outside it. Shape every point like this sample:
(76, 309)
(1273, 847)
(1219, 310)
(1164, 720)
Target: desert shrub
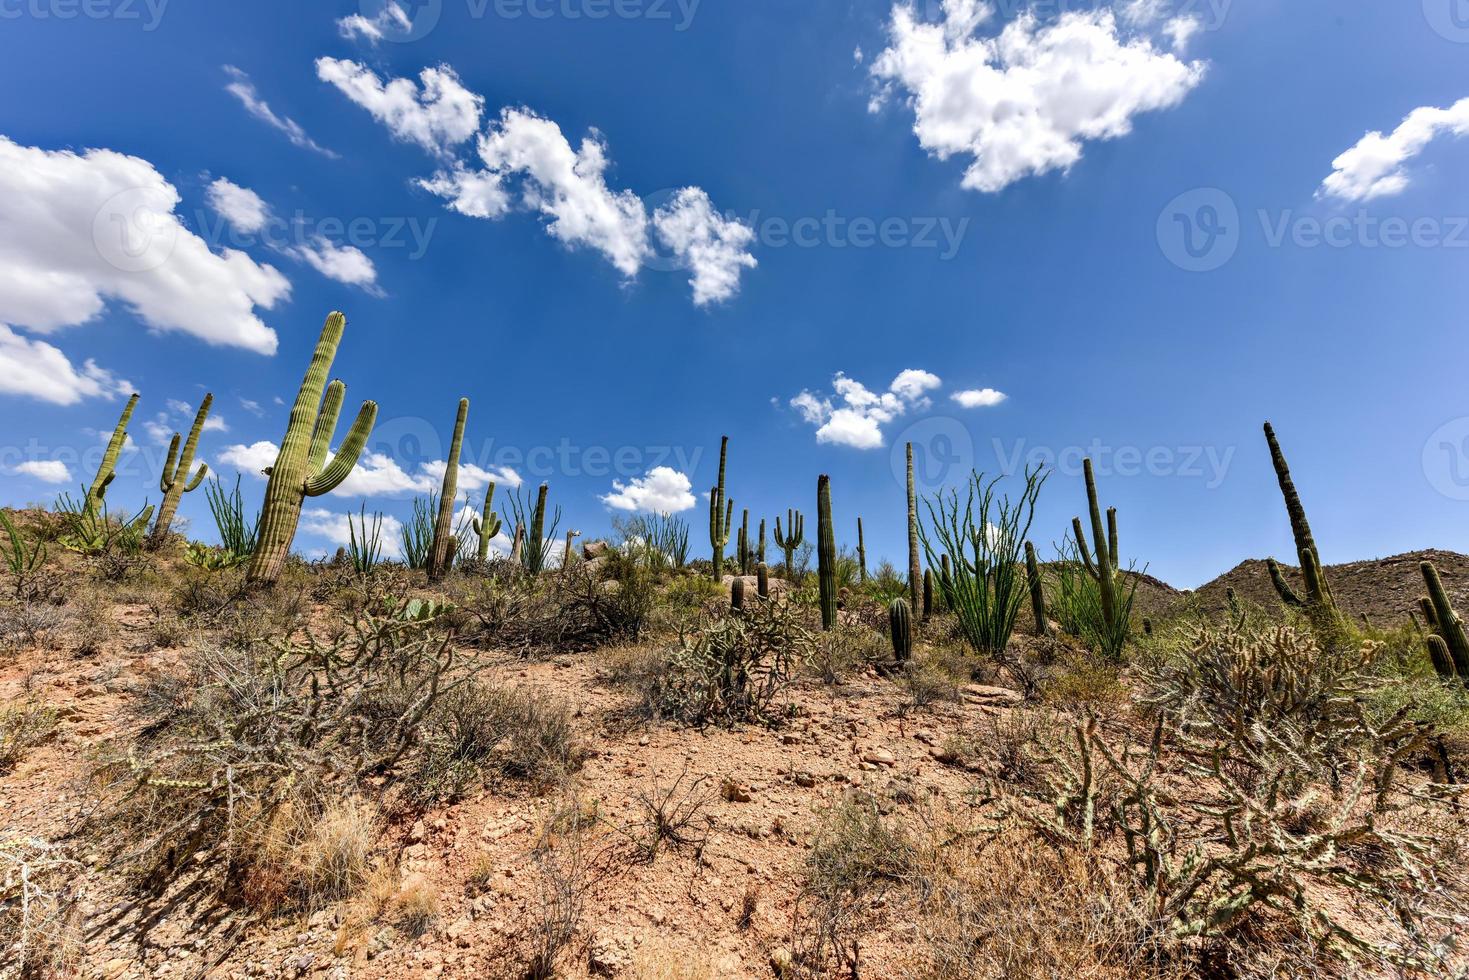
(848, 649)
(1076, 602)
(40, 887)
(30, 624)
(306, 859)
(32, 579)
(569, 609)
(885, 584)
(732, 667)
(24, 725)
(932, 677)
(658, 542)
(476, 731)
(1082, 681)
(673, 816)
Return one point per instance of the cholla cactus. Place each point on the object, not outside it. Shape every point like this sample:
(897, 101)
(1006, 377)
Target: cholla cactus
(108, 470)
(487, 525)
(793, 537)
(175, 480)
(441, 556)
(721, 514)
(301, 469)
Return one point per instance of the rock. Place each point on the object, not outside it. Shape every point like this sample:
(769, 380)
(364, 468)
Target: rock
(879, 757)
(459, 931)
(734, 792)
(595, 549)
(609, 954)
(803, 779)
(986, 694)
(116, 967)
(782, 962)
(418, 831)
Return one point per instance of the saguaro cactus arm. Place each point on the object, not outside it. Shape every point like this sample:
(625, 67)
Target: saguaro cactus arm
(442, 554)
(108, 469)
(346, 458)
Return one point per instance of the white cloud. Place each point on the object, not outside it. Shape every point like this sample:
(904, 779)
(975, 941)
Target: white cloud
(438, 117)
(251, 459)
(251, 406)
(1377, 165)
(663, 491)
(78, 230)
(857, 416)
(337, 528)
(714, 248)
(45, 470)
(471, 477)
(238, 205)
(343, 263)
(392, 18)
(242, 88)
(161, 427)
(1022, 101)
(978, 397)
(378, 475)
(36, 369)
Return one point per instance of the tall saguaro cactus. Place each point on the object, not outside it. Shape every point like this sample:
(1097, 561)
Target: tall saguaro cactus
(1445, 622)
(826, 553)
(1037, 596)
(721, 514)
(301, 469)
(1318, 598)
(441, 555)
(791, 539)
(108, 469)
(175, 480)
(915, 570)
(861, 553)
(487, 525)
(760, 552)
(744, 547)
(1104, 567)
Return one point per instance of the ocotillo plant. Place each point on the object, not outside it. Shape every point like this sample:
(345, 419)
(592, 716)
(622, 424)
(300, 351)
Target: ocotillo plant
(1318, 599)
(175, 480)
(861, 553)
(1445, 621)
(762, 580)
(900, 624)
(826, 553)
(1037, 596)
(915, 570)
(301, 469)
(721, 512)
(1104, 568)
(488, 524)
(442, 554)
(793, 537)
(108, 469)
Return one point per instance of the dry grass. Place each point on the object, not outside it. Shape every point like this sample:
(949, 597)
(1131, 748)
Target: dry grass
(39, 885)
(24, 725)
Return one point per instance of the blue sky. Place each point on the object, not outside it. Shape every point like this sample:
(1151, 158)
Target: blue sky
(624, 229)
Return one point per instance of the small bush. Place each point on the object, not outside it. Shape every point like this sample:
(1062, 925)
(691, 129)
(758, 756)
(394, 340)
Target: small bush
(24, 725)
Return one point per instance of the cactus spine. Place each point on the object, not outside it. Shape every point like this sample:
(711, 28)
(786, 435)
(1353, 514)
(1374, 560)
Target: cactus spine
(108, 470)
(793, 538)
(861, 553)
(721, 512)
(441, 557)
(175, 480)
(762, 580)
(487, 525)
(915, 570)
(1445, 623)
(301, 469)
(1037, 595)
(900, 624)
(1104, 540)
(826, 553)
(1318, 596)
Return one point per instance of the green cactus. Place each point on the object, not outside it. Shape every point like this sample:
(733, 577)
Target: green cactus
(915, 569)
(1318, 599)
(1104, 567)
(927, 594)
(793, 537)
(760, 551)
(488, 525)
(1445, 622)
(737, 594)
(535, 554)
(1443, 661)
(861, 553)
(744, 550)
(1037, 595)
(441, 555)
(517, 547)
(900, 624)
(762, 580)
(826, 553)
(108, 470)
(175, 480)
(301, 469)
(719, 523)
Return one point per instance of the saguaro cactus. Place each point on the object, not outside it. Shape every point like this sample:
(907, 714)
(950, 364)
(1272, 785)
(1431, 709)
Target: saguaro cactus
(1445, 622)
(737, 594)
(1104, 567)
(487, 525)
(175, 480)
(108, 470)
(441, 556)
(721, 513)
(760, 552)
(300, 469)
(1037, 596)
(535, 555)
(861, 553)
(927, 594)
(915, 570)
(744, 546)
(826, 553)
(517, 547)
(762, 580)
(1318, 598)
(900, 624)
(793, 537)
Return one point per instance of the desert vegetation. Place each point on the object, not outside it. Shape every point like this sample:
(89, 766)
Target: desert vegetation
(638, 757)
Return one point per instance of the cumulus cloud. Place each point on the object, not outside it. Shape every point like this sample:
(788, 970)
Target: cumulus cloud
(387, 21)
(45, 470)
(346, 264)
(437, 116)
(251, 459)
(78, 230)
(238, 205)
(337, 528)
(856, 415)
(242, 88)
(978, 397)
(712, 247)
(1024, 100)
(1377, 165)
(663, 491)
